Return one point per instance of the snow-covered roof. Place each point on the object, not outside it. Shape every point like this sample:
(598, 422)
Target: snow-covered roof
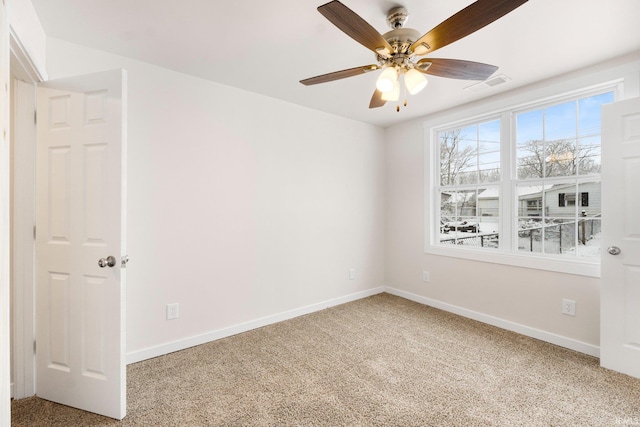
(493, 192)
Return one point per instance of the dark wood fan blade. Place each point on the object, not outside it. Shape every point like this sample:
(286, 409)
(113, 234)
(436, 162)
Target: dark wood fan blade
(355, 27)
(337, 75)
(463, 23)
(376, 100)
(456, 68)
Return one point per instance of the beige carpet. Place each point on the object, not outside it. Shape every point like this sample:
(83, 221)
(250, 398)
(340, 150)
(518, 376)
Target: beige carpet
(380, 361)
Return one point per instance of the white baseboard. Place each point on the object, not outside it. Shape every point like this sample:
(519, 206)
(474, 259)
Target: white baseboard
(549, 337)
(160, 350)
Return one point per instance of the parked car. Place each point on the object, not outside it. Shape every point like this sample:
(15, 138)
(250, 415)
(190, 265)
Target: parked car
(473, 227)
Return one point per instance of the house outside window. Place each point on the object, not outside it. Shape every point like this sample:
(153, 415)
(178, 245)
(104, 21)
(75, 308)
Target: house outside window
(523, 182)
(570, 199)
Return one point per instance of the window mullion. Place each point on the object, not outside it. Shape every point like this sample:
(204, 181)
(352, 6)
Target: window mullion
(507, 189)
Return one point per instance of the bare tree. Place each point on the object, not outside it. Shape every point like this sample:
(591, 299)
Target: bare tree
(555, 158)
(467, 202)
(453, 160)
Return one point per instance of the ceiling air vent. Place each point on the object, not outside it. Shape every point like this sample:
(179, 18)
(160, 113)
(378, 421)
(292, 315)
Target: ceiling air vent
(489, 83)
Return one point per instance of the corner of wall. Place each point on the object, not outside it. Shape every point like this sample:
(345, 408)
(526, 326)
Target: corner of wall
(28, 41)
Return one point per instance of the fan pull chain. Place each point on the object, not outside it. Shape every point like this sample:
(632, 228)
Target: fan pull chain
(404, 95)
(404, 92)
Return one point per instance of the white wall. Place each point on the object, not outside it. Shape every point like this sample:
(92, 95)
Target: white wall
(240, 206)
(28, 41)
(525, 298)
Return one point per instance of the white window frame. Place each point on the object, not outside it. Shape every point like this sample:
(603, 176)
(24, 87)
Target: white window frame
(507, 206)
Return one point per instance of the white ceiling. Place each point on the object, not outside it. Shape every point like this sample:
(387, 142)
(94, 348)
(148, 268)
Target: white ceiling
(268, 46)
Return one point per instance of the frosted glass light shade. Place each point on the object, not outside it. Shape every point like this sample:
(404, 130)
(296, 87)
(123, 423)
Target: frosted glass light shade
(393, 94)
(415, 81)
(387, 80)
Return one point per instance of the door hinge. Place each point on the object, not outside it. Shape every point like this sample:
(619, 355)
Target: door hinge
(34, 232)
(34, 346)
(35, 117)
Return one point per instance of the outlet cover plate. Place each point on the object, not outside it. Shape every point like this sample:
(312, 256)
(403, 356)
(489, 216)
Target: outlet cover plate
(568, 307)
(172, 311)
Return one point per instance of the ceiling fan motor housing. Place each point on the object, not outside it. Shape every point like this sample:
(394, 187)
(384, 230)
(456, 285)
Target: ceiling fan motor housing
(401, 39)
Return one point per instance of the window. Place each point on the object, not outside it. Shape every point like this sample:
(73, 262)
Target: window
(570, 199)
(584, 199)
(558, 151)
(566, 199)
(469, 174)
(523, 183)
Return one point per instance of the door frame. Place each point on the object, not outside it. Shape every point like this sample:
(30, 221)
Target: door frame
(23, 242)
(22, 253)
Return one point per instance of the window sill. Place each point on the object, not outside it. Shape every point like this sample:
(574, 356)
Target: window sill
(568, 266)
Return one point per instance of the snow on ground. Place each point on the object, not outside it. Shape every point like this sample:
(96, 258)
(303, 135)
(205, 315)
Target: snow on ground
(590, 250)
(487, 237)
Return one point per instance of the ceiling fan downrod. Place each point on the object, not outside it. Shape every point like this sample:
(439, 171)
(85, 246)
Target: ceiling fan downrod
(397, 17)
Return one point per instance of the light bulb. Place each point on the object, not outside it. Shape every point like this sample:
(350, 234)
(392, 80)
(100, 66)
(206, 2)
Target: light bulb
(387, 80)
(393, 94)
(415, 81)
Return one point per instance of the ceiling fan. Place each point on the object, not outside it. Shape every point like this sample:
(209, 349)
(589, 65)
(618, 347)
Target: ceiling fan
(397, 51)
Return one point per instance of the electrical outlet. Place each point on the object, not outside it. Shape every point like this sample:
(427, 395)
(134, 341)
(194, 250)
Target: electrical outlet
(425, 276)
(352, 274)
(172, 311)
(568, 307)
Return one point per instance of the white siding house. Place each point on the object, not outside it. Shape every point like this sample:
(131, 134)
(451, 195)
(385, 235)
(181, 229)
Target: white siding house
(559, 200)
(562, 200)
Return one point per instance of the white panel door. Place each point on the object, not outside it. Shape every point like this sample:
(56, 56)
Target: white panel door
(80, 353)
(620, 284)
